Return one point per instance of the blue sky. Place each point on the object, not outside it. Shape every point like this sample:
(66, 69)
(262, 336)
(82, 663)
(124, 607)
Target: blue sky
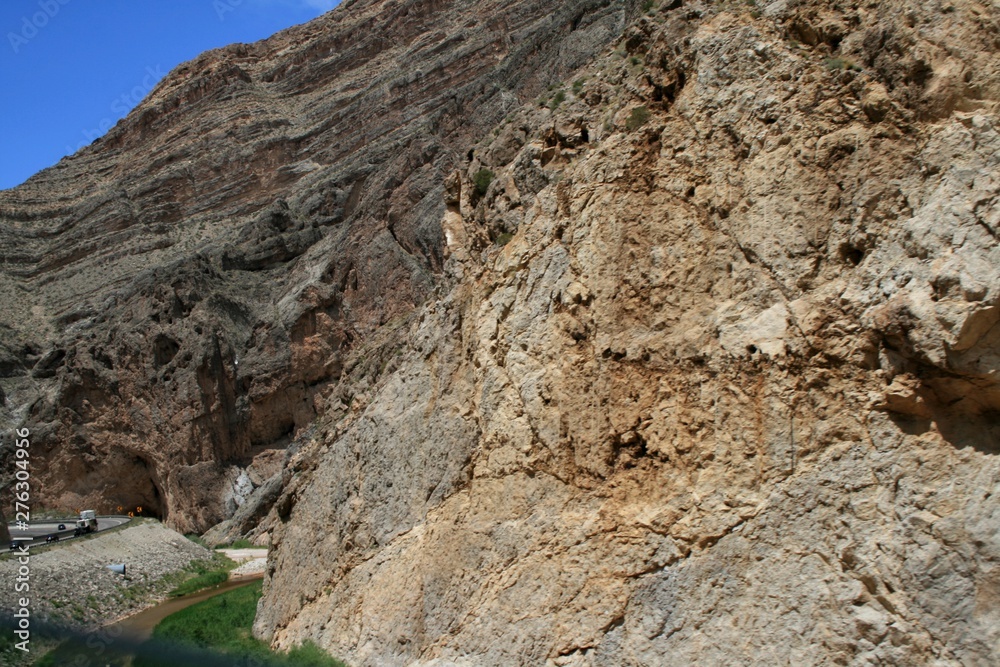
(69, 69)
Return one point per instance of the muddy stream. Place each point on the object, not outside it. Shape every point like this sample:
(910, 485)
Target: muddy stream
(139, 627)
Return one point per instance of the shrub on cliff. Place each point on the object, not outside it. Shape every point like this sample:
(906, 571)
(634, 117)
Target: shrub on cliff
(638, 118)
(482, 180)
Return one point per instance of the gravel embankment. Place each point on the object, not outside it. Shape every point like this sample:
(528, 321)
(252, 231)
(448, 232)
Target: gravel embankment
(71, 583)
(252, 567)
(252, 562)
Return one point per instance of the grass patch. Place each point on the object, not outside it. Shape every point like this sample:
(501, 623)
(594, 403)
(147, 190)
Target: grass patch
(200, 582)
(242, 543)
(197, 540)
(223, 624)
(638, 118)
(11, 656)
(53, 654)
(308, 654)
(206, 573)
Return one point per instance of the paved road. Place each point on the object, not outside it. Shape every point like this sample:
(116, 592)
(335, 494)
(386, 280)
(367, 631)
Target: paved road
(39, 530)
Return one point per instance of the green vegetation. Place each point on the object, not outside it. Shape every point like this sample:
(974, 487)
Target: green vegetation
(504, 239)
(578, 86)
(202, 581)
(242, 543)
(196, 539)
(217, 631)
(207, 573)
(70, 653)
(224, 624)
(638, 118)
(557, 99)
(58, 655)
(8, 653)
(482, 181)
(11, 656)
(648, 5)
(308, 654)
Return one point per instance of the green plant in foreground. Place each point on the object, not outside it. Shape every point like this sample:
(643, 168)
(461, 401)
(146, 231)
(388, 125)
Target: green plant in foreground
(558, 99)
(638, 118)
(308, 654)
(224, 624)
(207, 573)
(482, 180)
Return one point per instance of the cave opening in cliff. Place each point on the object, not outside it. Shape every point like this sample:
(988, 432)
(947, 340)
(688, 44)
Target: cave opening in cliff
(147, 504)
(146, 498)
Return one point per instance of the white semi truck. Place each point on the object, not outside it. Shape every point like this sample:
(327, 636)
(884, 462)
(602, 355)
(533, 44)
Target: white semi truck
(87, 523)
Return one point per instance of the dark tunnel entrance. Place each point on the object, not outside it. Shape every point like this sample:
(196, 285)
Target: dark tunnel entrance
(135, 491)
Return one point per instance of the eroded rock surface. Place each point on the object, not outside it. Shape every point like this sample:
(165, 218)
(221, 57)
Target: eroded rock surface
(717, 380)
(691, 359)
(179, 294)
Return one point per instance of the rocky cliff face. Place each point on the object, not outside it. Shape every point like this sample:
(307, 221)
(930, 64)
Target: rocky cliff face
(717, 380)
(180, 294)
(690, 358)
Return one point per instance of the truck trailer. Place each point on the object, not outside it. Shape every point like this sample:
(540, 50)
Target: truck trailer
(87, 523)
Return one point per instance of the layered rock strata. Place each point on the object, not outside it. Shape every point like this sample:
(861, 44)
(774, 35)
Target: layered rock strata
(717, 381)
(180, 293)
(581, 333)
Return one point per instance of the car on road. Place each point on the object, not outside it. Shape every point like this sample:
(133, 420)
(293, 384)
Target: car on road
(62, 526)
(52, 538)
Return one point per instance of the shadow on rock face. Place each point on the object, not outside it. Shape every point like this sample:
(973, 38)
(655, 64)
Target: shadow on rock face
(980, 430)
(982, 433)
